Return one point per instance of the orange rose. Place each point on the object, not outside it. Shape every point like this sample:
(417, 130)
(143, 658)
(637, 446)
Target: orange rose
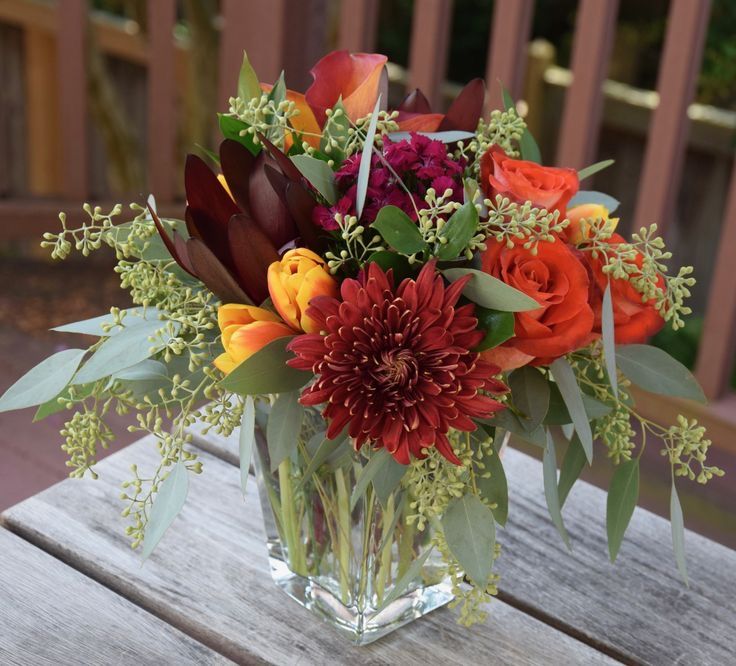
(634, 320)
(246, 329)
(294, 281)
(519, 180)
(356, 77)
(579, 216)
(558, 280)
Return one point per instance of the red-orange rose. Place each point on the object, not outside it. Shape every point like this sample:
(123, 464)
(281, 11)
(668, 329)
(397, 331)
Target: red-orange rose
(634, 320)
(519, 180)
(558, 280)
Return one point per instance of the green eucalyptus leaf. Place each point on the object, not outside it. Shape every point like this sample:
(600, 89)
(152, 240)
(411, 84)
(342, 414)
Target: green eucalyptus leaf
(364, 169)
(324, 450)
(319, 174)
(397, 229)
(385, 483)
(167, 504)
(410, 575)
(493, 488)
(94, 326)
(530, 391)
(489, 292)
(146, 369)
(549, 472)
(678, 533)
(470, 532)
(44, 382)
(376, 465)
(231, 129)
(588, 171)
(246, 439)
(266, 372)
(499, 327)
(654, 370)
(557, 414)
(572, 466)
(507, 420)
(609, 339)
(622, 496)
(284, 426)
(248, 85)
(58, 403)
(458, 232)
(527, 144)
(570, 390)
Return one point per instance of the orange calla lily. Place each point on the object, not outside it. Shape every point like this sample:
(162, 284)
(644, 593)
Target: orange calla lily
(354, 77)
(304, 122)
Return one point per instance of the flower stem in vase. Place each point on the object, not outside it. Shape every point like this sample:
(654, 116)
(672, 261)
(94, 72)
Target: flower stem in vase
(343, 534)
(384, 555)
(289, 520)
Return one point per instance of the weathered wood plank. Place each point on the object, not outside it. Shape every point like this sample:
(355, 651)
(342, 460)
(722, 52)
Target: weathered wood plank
(638, 609)
(209, 578)
(52, 614)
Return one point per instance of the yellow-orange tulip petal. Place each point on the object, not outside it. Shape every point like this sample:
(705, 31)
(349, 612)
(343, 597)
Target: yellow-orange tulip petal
(356, 77)
(316, 282)
(235, 313)
(280, 296)
(248, 339)
(579, 228)
(224, 363)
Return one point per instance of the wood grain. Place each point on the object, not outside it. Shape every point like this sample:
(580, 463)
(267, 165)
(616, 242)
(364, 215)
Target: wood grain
(209, 578)
(638, 609)
(52, 614)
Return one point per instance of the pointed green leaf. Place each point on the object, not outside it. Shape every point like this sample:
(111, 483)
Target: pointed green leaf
(57, 404)
(567, 384)
(507, 420)
(318, 174)
(410, 575)
(609, 339)
(397, 229)
(489, 292)
(146, 369)
(470, 532)
(530, 391)
(284, 427)
(527, 144)
(499, 327)
(231, 128)
(248, 85)
(94, 326)
(246, 439)
(167, 504)
(364, 169)
(324, 450)
(549, 472)
(43, 382)
(266, 372)
(375, 465)
(588, 171)
(572, 466)
(678, 533)
(557, 414)
(458, 232)
(654, 370)
(385, 483)
(493, 488)
(622, 496)
(398, 263)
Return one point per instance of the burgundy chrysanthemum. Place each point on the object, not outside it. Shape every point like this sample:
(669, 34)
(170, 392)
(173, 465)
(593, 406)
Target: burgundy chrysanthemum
(395, 365)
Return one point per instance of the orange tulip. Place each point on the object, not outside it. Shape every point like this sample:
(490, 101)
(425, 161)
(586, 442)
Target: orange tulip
(294, 281)
(354, 77)
(304, 122)
(578, 230)
(246, 329)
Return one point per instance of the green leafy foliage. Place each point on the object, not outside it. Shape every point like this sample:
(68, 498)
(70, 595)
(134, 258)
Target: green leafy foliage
(572, 396)
(248, 85)
(572, 466)
(319, 174)
(397, 229)
(678, 533)
(284, 426)
(499, 327)
(527, 144)
(231, 128)
(457, 233)
(398, 263)
(654, 370)
(558, 414)
(94, 326)
(507, 420)
(591, 170)
(609, 340)
(364, 169)
(491, 293)
(166, 506)
(622, 496)
(376, 465)
(492, 483)
(44, 382)
(266, 372)
(530, 390)
(470, 532)
(549, 472)
(389, 479)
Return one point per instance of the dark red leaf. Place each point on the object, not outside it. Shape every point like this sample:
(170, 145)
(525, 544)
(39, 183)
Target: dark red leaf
(237, 164)
(285, 164)
(415, 102)
(465, 112)
(206, 196)
(213, 274)
(267, 208)
(252, 253)
(177, 252)
(300, 204)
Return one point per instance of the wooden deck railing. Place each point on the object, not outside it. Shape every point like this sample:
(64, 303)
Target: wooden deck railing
(269, 30)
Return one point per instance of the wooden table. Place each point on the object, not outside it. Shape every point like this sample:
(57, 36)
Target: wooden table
(73, 592)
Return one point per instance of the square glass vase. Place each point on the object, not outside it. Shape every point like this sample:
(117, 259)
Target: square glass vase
(357, 562)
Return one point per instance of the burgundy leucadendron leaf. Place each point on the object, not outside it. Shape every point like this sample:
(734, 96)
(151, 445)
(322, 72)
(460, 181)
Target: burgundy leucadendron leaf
(467, 108)
(213, 274)
(253, 252)
(176, 247)
(205, 194)
(237, 163)
(300, 204)
(267, 208)
(285, 164)
(415, 102)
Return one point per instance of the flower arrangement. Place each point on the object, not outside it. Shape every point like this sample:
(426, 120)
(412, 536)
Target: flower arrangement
(378, 298)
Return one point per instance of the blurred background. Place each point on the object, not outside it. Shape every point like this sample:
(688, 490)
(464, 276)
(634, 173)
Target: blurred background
(100, 101)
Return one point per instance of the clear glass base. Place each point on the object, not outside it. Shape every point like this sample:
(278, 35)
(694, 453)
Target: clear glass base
(359, 627)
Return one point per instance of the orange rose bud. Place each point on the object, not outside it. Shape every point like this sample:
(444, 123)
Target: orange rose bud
(246, 329)
(580, 216)
(294, 281)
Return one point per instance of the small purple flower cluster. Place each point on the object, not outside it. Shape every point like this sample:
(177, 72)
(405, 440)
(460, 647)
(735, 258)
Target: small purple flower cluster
(419, 162)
